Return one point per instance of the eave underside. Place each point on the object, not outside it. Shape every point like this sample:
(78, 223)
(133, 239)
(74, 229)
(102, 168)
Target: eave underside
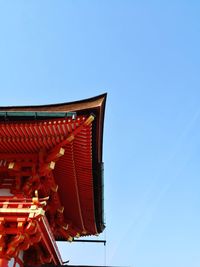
(78, 173)
(72, 173)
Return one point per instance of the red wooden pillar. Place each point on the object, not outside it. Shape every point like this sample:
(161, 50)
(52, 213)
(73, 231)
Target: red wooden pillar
(3, 263)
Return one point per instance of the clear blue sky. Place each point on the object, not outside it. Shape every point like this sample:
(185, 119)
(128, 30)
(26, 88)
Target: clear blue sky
(145, 54)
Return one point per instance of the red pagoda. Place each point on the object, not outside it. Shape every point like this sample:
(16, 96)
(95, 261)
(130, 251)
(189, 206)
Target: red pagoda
(51, 179)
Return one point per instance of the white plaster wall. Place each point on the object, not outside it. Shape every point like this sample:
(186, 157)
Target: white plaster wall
(5, 192)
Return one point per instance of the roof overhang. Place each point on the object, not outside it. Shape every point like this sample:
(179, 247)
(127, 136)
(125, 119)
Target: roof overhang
(81, 192)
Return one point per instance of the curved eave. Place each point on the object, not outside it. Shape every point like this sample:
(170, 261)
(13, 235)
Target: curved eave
(89, 103)
(96, 106)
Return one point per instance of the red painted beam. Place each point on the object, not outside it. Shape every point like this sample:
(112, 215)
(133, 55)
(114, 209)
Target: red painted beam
(3, 263)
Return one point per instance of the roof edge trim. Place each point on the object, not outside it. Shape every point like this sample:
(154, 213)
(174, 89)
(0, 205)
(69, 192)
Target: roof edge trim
(97, 101)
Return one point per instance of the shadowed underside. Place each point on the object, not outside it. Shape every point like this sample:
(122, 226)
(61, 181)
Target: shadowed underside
(54, 152)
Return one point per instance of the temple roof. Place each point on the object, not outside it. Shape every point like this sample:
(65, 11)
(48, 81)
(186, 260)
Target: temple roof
(26, 132)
